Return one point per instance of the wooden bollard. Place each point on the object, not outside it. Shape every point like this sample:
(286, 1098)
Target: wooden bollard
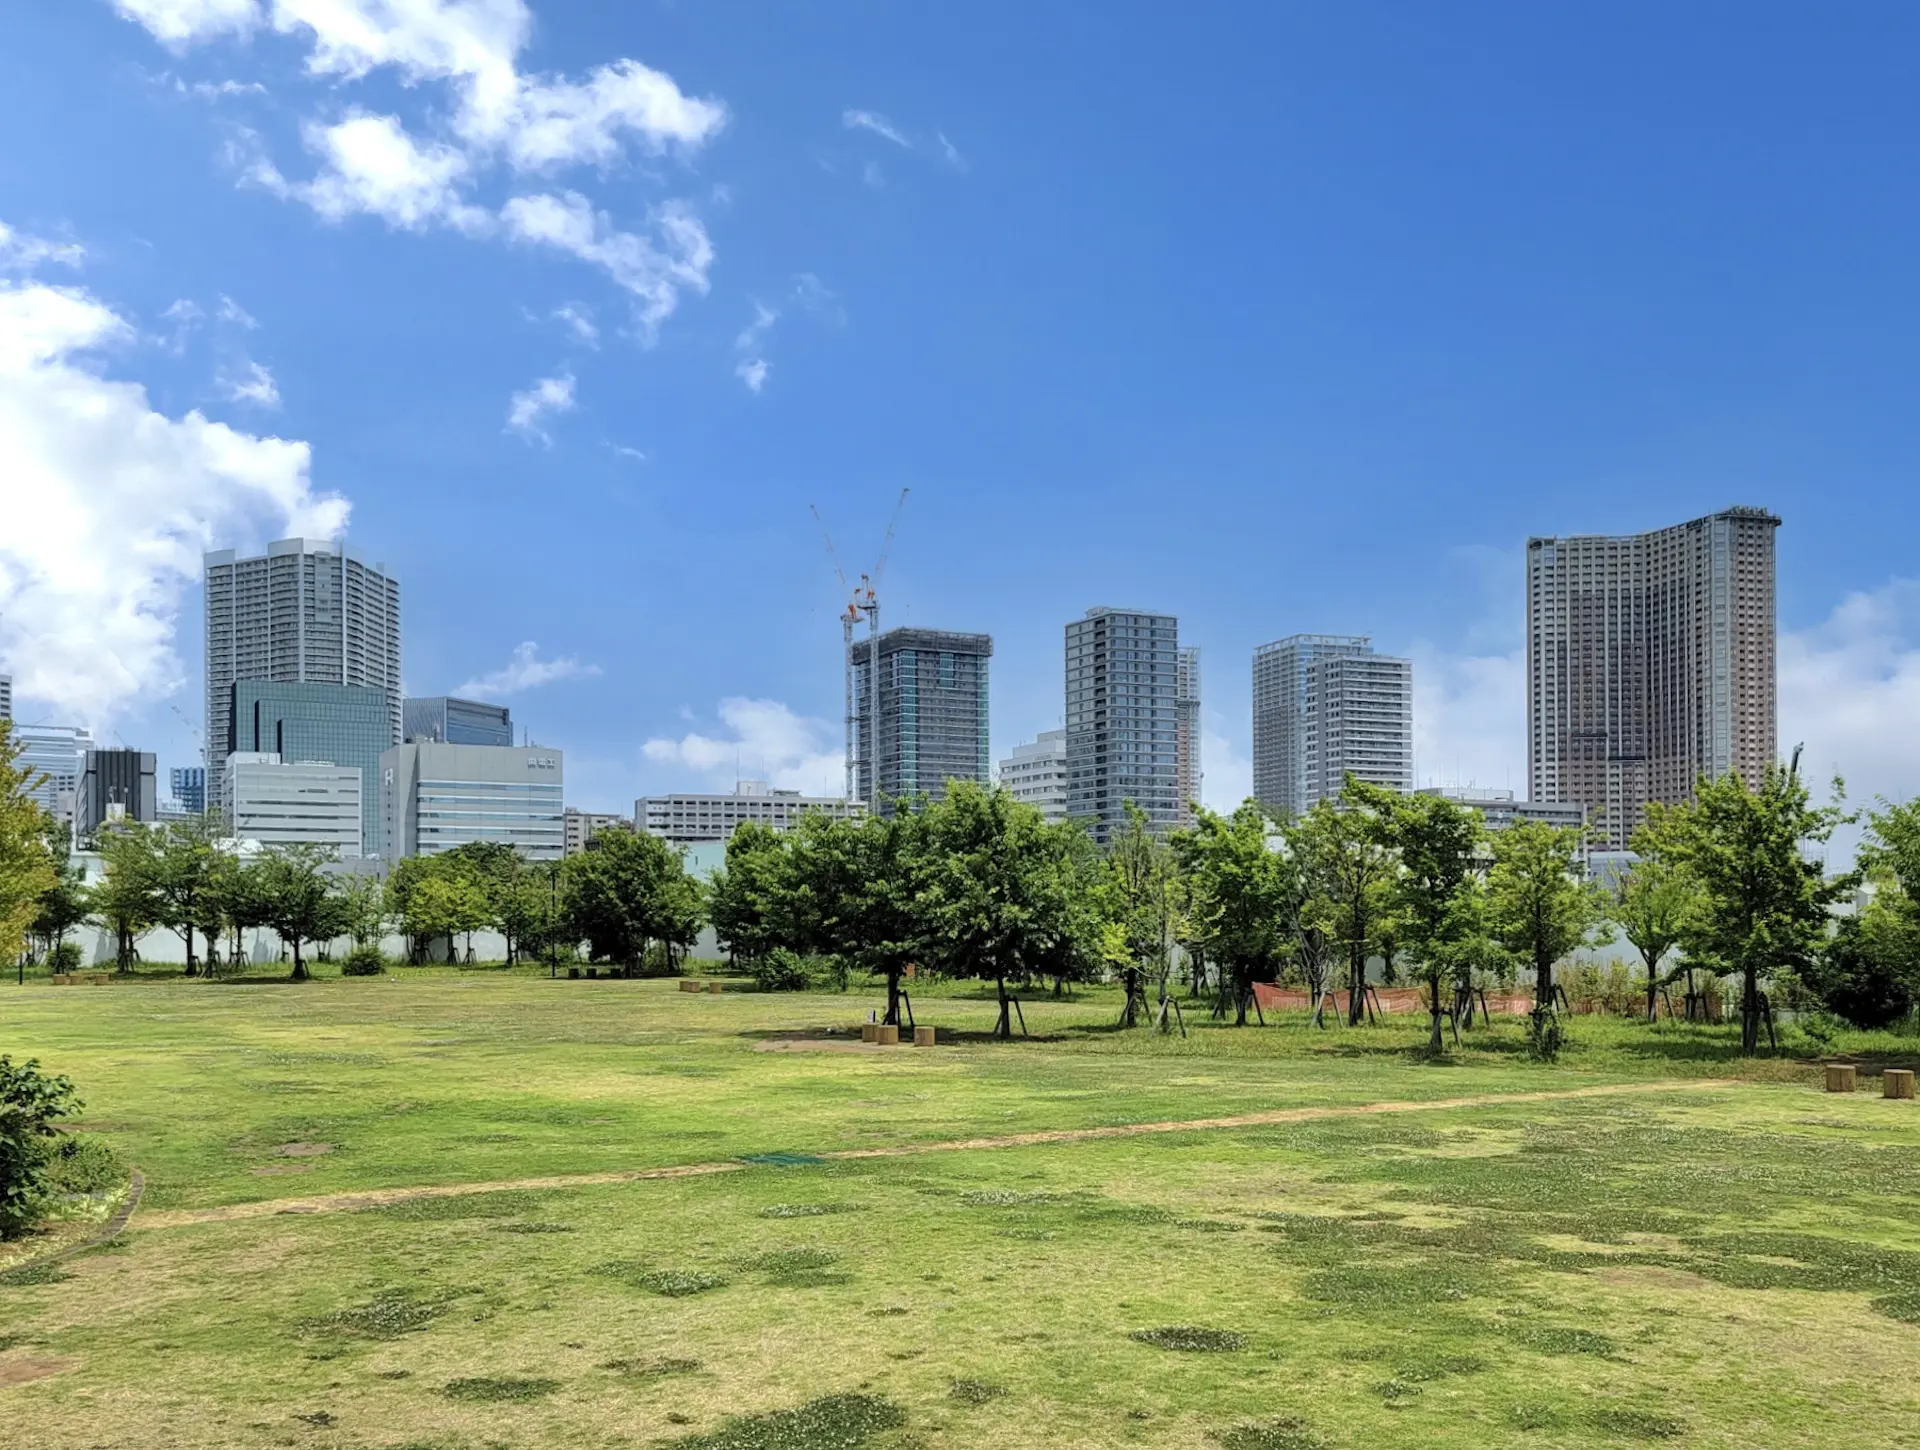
(1897, 1082)
(1841, 1077)
(889, 1035)
(923, 1037)
(687, 984)
(869, 1031)
(716, 986)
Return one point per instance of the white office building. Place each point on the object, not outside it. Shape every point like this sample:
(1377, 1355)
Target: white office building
(696, 817)
(1036, 774)
(1326, 706)
(56, 754)
(581, 827)
(435, 796)
(294, 802)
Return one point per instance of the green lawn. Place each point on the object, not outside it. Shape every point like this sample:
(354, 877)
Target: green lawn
(1687, 1260)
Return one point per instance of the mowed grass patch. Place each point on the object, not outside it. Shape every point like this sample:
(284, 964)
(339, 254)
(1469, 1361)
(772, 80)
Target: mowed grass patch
(1444, 1278)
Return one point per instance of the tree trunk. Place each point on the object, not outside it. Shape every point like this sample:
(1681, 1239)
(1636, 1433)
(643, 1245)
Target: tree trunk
(1356, 988)
(299, 966)
(1749, 1012)
(1543, 985)
(1653, 987)
(1436, 1042)
(1004, 1027)
(1136, 998)
(892, 1018)
(1242, 995)
(193, 966)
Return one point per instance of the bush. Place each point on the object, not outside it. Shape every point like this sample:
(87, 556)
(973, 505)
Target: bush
(67, 957)
(29, 1102)
(782, 970)
(363, 961)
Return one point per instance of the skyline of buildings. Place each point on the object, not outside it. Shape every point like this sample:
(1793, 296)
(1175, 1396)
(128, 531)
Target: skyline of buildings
(1122, 719)
(1325, 706)
(1651, 661)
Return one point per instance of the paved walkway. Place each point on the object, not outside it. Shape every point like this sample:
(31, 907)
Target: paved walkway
(378, 1197)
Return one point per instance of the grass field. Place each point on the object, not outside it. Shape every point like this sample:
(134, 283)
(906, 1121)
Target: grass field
(1648, 1242)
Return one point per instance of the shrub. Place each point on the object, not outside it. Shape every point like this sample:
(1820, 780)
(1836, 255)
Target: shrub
(29, 1142)
(782, 970)
(67, 957)
(363, 961)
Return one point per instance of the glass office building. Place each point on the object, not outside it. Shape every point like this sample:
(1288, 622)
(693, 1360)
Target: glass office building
(313, 723)
(456, 722)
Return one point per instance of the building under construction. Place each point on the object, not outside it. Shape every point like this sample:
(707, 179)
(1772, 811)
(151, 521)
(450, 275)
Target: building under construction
(931, 707)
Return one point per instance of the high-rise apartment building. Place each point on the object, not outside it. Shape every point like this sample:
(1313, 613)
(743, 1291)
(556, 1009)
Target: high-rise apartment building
(116, 785)
(188, 785)
(55, 755)
(1186, 744)
(308, 723)
(434, 797)
(932, 722)
(1036, 774)
(6, 697)
(1326, 706)
(1650, 663)
(1123, 719)
(303, 612)
(455, 722)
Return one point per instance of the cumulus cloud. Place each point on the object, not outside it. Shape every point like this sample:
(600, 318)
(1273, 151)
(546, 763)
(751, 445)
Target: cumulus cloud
(22, 253)
(547, 396)
(1850, 690)
(765, 740)
(500, 118)
(252, 383)
(111, 505)
(525, 671)
(857, 120)
(1470, 718)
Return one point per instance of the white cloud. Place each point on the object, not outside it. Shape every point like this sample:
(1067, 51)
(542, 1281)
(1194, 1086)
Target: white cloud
(765, 741)
(371, 165)
(546, 397)
(1226, 776)
(1470, 719)
(525, 671)
(179, 23)
(753, 372)
(579, 321)
(22, 253)
(858, 120)
(233, 312)
(252, 384)
(625, 452)
(949, 152)
(111, 504)
(1850, 690)
(654, 273)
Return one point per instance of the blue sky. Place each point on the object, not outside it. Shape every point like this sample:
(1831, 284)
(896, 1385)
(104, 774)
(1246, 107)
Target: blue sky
(1278, 317)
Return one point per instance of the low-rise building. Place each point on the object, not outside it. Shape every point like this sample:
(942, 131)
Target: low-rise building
(436, 796)
(1499, 810)
(713, 817)
(1036, 774)
(581, 827)
(293, 803)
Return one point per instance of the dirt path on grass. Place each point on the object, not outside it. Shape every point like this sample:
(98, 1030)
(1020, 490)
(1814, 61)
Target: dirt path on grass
(379, 1197)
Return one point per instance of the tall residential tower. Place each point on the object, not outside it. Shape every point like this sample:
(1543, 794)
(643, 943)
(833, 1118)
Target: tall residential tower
(1123, 719)
(932, 716)
(1326, 706)
(1186, 748)
(1650, 663)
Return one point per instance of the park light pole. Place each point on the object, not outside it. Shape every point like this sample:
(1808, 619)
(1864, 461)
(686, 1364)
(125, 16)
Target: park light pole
(553, 917)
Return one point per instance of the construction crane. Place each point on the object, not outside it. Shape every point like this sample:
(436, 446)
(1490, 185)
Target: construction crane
(863, 599)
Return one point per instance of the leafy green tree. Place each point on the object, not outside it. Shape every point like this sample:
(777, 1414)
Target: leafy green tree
(27, 872)
(625, 891)
(1650, 906)
(1242, 891)
(1870, 971)
(745, 896)
(182, 863)
(302, 903)
(30, 1101)
(237, 902)
(1764, 901)
(63, 905)
(1141, 877)
(1539, 906)
(1346, 863)
(1435, 895)
(363, 909)
(996, 890)
(126, 899)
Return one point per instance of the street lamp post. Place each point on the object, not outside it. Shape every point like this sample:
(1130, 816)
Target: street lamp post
(553, 916)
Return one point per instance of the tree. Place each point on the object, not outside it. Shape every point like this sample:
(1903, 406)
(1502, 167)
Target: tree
(625, 891)
(501, 876)
(26, 867)
(29, 1103)
(1763, 901)
(182, 866)
(996, 889)
(363, 909)
(1650, 906)
(1242, 892)
(301, 902)
(63, 905)
(1141, 872)
(238, 899)
(1344, 854)
(126, 898)
(744, 896)
(1538, 905)
(1435, 895)
(1870, 971)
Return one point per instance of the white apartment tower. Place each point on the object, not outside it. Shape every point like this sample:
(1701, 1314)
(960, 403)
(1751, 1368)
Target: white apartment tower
(1123, 719)
(1650, 663)
(1326, 706)
(303, 612)
(1186, 745)
(1036, 774)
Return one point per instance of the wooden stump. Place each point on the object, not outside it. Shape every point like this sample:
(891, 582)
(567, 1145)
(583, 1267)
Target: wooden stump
(1841, 1077)
(889, 1035)
(923, 1037)
(716, 986)
(869, 1031)
(1897, 1082)
(687, 984)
